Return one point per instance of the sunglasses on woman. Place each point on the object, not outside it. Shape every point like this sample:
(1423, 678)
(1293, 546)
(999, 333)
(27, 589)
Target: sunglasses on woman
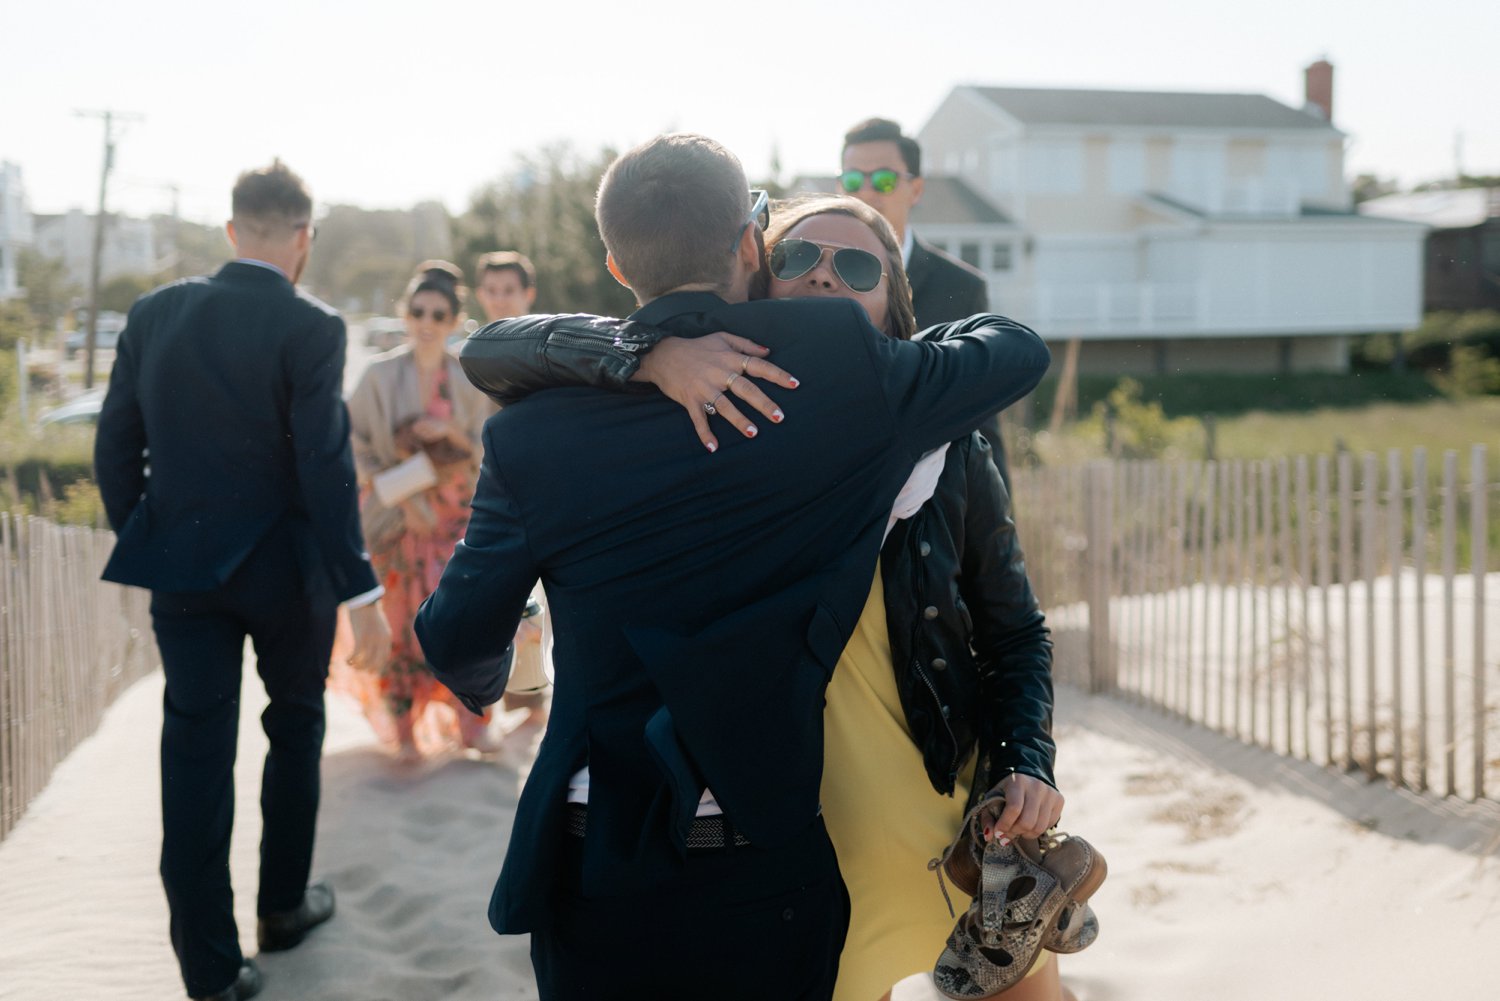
(858, 269)
(439, 315)
(883, 180)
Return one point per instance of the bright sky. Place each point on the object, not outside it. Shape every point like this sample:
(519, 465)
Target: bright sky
(385, 104)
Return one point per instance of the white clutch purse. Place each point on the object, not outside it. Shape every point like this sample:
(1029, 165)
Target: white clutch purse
(532, 670)
(402, 481)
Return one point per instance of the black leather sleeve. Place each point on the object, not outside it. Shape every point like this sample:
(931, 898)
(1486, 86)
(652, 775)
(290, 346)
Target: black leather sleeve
(1011, 642)
(511, 359)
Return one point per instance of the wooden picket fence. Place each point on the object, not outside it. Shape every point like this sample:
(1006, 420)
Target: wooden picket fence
(1337, 609)
(69, 644)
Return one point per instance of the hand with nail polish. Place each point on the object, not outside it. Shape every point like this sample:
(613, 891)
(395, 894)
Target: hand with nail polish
(705, 374)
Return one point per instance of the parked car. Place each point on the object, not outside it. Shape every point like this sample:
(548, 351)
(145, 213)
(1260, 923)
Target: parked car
(82, 409)
(111, 325)
(384, 332)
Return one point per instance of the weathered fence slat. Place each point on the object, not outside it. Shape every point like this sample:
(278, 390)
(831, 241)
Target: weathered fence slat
(1450, 630)
(1371, 558)
(1395, 516)
(1479, 506)
(1419, 567)
(68, 646)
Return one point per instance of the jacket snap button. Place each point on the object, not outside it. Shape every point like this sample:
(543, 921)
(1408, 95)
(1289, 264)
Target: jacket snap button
(930, 612)
(924, 548)
(786, 915)
(939, 664)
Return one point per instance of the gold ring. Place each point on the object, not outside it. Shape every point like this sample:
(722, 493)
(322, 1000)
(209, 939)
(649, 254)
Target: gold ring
(732, 376)
(744, 364)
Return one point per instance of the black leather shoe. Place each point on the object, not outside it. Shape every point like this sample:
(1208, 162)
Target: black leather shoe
(246, 985)
(276, 932)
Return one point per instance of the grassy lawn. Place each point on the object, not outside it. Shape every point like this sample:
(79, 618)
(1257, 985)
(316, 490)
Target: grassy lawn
(1436, 424)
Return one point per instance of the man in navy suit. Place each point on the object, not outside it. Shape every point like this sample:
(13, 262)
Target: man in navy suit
(882, 167)
(668, 841)
(224, 462)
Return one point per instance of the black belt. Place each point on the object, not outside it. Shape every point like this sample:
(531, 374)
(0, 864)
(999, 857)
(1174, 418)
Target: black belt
(706, 832)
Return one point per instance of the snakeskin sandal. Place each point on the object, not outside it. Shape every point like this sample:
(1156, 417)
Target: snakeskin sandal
(1030, 894)
(1076, 928)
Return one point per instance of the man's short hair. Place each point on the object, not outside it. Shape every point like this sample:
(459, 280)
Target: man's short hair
(669, 211)
(270, 199)
(506, 260)
(874, 130)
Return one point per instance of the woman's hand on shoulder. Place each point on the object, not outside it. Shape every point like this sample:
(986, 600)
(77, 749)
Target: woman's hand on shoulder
(1030, 809)
(700, 373)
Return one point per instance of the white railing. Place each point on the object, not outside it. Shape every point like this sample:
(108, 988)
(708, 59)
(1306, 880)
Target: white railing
(1121, 308)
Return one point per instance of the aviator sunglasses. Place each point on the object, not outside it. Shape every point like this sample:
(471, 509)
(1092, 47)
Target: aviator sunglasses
(858, 269)
(883, 180)
(439, 315)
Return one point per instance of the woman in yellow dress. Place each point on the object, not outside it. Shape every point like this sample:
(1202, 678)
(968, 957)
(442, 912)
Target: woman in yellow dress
(944, 692)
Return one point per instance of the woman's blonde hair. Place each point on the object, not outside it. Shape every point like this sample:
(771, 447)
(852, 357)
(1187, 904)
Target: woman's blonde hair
(901, 321)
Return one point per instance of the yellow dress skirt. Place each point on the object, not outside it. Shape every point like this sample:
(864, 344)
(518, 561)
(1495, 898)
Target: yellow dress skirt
(885, 819)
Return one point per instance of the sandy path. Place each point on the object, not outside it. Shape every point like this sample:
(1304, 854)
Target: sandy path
(1235, 874)
(411, 852)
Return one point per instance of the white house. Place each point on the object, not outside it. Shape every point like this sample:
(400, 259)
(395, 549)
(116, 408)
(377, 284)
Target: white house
(15, 226)
(1170, 231)
(129, 245)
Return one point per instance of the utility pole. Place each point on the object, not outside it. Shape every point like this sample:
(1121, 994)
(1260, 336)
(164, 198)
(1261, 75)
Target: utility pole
(92, 337)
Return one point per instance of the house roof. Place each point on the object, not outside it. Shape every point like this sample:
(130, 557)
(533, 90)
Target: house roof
(1457, 209)
(1154, 109)
(946, 201)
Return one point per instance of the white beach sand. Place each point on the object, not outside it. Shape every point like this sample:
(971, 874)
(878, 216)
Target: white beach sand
(1235, 874)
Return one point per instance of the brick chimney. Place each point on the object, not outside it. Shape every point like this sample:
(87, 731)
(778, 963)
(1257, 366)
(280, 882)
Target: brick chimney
(1318, 81)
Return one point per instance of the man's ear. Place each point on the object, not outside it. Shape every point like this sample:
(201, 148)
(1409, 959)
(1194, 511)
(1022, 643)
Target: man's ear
(751, 249)
(614, 269)
(917, 184)
(531, 296)
(234, 240)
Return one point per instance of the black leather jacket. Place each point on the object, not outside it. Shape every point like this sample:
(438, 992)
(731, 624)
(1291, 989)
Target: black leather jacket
(969, 644)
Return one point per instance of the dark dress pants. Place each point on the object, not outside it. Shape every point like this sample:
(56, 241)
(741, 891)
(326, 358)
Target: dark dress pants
(736, 924)
(202, 641)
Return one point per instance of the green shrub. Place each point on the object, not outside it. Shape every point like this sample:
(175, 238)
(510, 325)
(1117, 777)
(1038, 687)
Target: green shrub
(1131, 428)
(1471, 372)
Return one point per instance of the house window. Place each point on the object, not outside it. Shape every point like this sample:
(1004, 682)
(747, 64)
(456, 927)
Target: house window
(968, 252)
(1303, 167)
(1127, 167)
(1000, 257)
(1054, 167)
(1197, 172)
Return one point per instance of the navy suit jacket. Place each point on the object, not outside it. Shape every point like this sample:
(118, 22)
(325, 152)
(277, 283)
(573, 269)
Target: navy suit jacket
(225, 419)
(700, 601)
(943, 288)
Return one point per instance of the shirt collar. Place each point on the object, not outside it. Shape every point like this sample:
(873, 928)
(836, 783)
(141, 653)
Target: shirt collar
(263, 264)
(676, 304)
(907, 242)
